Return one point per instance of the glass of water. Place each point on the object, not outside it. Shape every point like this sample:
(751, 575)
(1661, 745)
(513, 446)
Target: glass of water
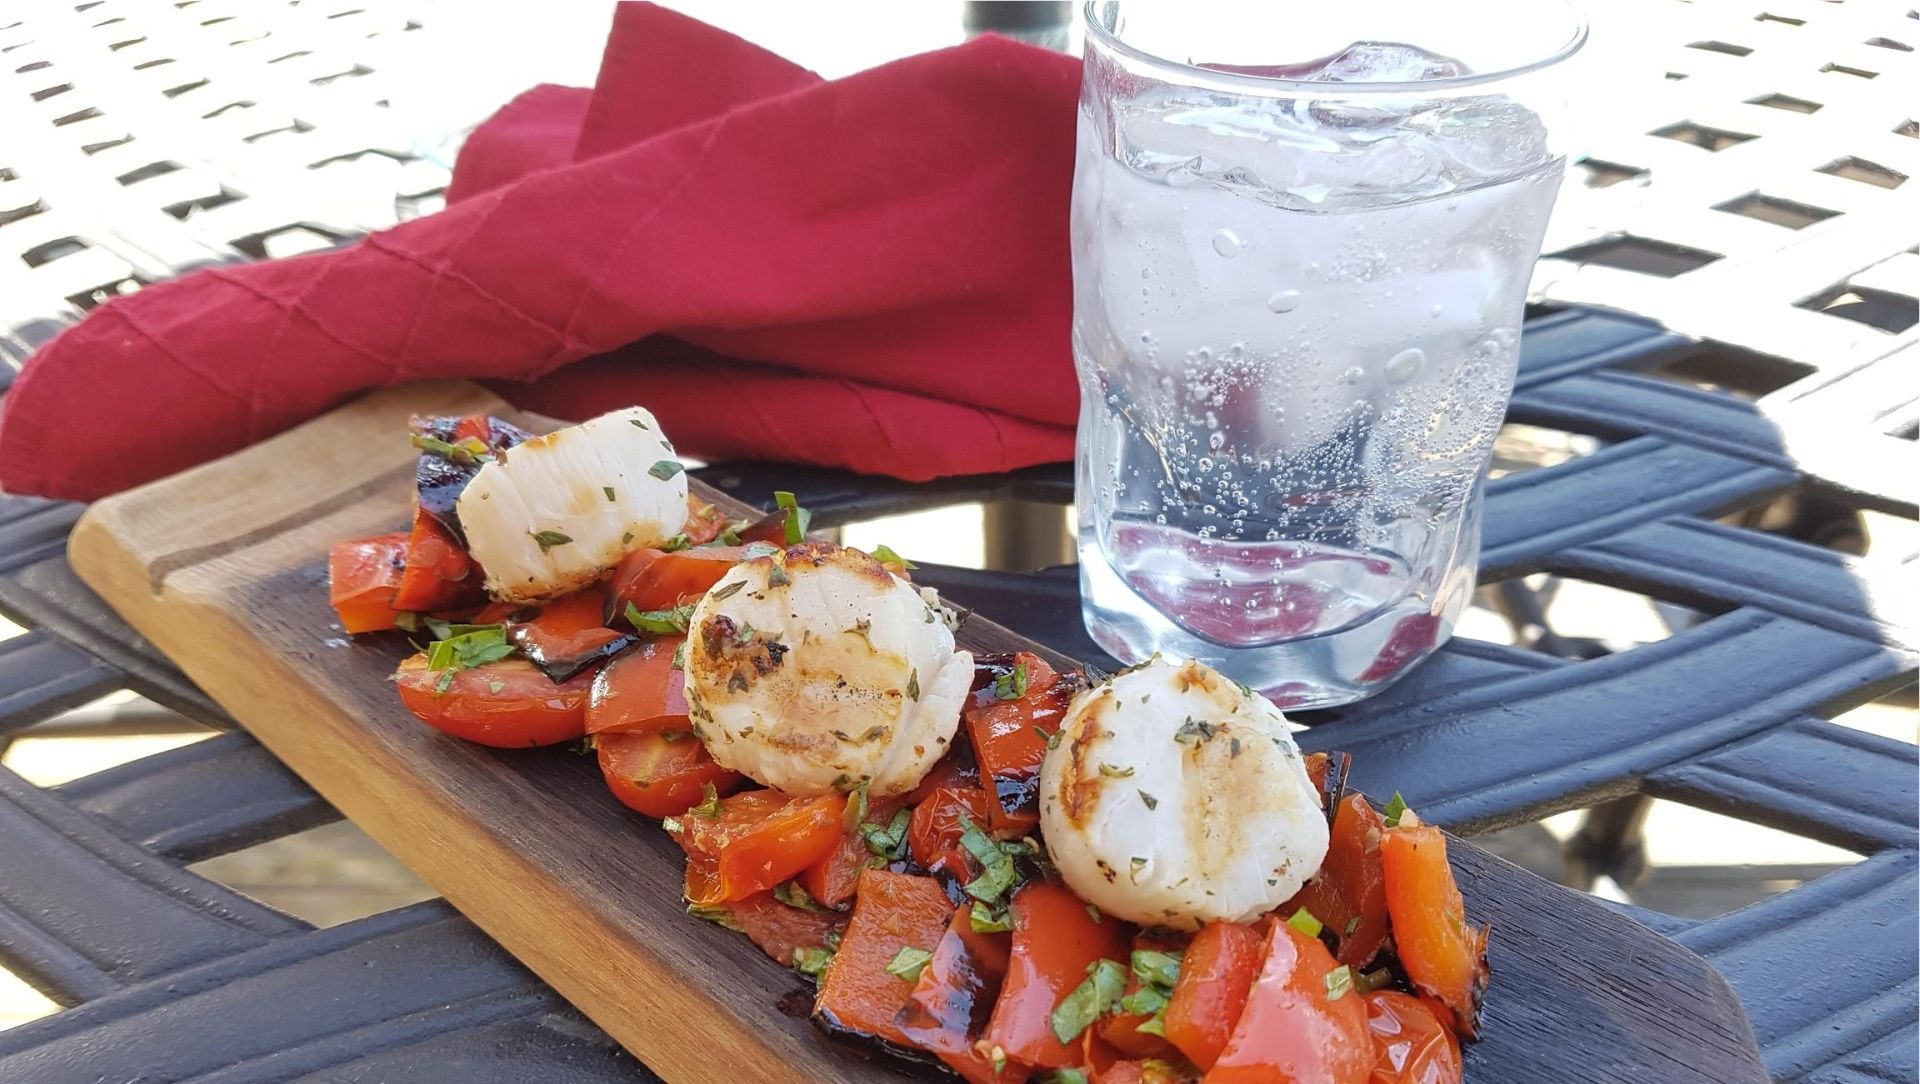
(1302, 236)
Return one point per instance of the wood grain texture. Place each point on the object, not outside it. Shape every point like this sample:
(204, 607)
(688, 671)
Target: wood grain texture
(223, 567)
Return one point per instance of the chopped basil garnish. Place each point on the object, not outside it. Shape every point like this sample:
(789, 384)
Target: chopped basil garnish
(1394, 809)
(679, 657)
(550, 539)
(777, 575)
(1156, 968)
(1304, 921)
(889, 842)
(1134, 866)
(1012, 685)
(665, 469)
(1067, 1076)
(1339, 982)
(721, 594)
(480, 645)
(1150, 800)
(468, 450)
(636, 423)
(1352, 925)
(997, 873)
(791, 894)
(1111, 772)
(716, 913)
(608, 490)
(986, 919)
(856, 812)
(798, 518)
(758, 549)
(1245, 689)
(1089, 1001)
(913, 685)
(709, 806)
(886, 556)
(1192, 731)
(675, 544)
(811, 961)
(660, 621)
(907, 964)
(1377, 979)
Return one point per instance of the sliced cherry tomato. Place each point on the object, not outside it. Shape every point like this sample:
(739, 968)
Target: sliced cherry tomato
(953, 998)
(704, 521)
(933, 836)
(1216, 972)
(1349, 894)
(1445, 957)
(1121, 1030)
(1146, 1071)
(1295, 1025)
(567, 635)
(781, 929)
(661, 773)
(1055, 940)
(438, 575)
(362, 577)
(770, 528)
(1009, 737)
(507, 704)
(759, 839)
(1410, 1044)
(891, 911)
(640, 691)
(653, 580)
(832, 880)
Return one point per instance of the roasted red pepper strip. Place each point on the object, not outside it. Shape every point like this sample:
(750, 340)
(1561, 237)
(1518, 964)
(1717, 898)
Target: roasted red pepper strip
(756, 840)
(1297, 1026)
(782, 930)
(891, 911)
(1410, 1043)
(1009, 737)
(1216, 972)
(832, 880)
(933, 836)
(655, 773)
(640, 691)
(653, 580)
(566, 635)
(704, 521)
(1349, 894)
(362, 578)
(438, 574)
(1445, 957)
(953, 999)
(1055, 940)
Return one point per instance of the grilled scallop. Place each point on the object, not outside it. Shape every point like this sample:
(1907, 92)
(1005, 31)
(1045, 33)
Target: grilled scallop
(1174, 797)
(557, 511)
(814, 669)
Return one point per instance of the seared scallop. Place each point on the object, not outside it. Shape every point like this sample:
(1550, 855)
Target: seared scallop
(814, 669)
(1173, 797)
(559, 510)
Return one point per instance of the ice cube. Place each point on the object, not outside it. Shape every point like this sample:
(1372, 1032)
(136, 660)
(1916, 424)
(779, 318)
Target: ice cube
(1383, 62)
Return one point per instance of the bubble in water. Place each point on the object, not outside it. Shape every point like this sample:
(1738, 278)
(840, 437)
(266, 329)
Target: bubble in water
(1228, 243)
(1217, 441)
(1283, 301)
(1353, 375)
(1435, 312)
(1205, 464)
(1402, 366)
(1146, 272)
(1161, 519)
(1146, 336)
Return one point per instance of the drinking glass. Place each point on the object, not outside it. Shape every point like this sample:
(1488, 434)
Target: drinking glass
(1301, 245)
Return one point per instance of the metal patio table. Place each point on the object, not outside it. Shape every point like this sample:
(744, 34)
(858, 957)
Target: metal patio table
(1762, 214)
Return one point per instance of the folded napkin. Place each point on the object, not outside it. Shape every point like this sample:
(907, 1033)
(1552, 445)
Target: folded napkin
(868, 273)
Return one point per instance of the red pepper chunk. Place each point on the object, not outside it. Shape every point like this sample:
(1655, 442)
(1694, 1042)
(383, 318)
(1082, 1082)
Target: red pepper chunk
(438, 574)
(655, 580)
(568, 634)
(832, 880)
(1055, 940)
(951, 792)
(948, 1011)
(1121, 1030)
(362, 578)
(1007, 737)
(1445, 957)
(1411, 1045)
(1216, 972)
(1296, 1026)
(757, 840)
(891, 911)
(640, 691)
(704, 521)
(1349, 894)
(782, 930)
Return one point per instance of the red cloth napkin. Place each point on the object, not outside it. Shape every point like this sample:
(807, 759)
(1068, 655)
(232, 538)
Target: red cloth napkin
(888, 249)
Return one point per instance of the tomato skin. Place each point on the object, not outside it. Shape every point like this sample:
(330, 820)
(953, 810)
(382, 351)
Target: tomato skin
(1216, 973)
(438, 574)
(759, 839)
(1445, 957)
(654, 580)
(528, 709)
(891, 911)
(781, 930)
(362, 578)
(658, 777)
(640, 691)
(1291, 1030)
(1055, 940)
(1410, 1043)
(832, 880)
(1351, 887)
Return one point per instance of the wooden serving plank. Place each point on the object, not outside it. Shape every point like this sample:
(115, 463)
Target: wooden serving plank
(223, 567)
